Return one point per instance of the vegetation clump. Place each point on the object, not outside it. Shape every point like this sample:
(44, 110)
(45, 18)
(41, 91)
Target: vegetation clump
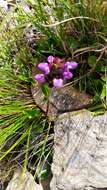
(67, 32)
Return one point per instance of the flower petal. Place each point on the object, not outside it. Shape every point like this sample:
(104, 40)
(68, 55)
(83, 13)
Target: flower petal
(70, 65)
(40, 78)
(51, 59)
(67, 75)
(44, 67)
(57, 83)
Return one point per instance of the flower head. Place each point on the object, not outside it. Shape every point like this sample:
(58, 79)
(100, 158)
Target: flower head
(67, 75)
(44, 67)
(40, 78)
(70, 65)
(51, 59)
(57, 83)
(56, 71)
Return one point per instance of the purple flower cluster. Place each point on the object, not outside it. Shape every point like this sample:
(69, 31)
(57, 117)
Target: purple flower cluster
(56, 72)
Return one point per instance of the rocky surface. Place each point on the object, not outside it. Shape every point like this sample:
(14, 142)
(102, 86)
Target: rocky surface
(80, 151)
(3, 4)
(23, 182)
(61, 100)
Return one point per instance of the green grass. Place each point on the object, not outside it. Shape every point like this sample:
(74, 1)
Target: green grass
(68, 29)
(20, 118)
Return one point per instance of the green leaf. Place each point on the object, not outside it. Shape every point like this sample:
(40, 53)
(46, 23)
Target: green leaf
(74, 43)
(104, 78)
(45, 90)
(101, 67)
(98, 86)
(92, 60)
(18, 61)
(23, 78)
(44, 174)
(103, 93)
(33, 113)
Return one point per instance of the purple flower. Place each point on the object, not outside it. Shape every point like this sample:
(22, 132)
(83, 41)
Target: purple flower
(67, 75)
(44, 67)
(40, 78)
(51, 59)
(57, 83)
(70, 65)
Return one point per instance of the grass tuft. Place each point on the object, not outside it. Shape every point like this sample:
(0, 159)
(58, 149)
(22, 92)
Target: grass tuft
(68, 29)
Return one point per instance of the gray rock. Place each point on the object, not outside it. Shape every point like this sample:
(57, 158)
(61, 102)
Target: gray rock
(80, 151)
(61, 100)
(23, 182)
